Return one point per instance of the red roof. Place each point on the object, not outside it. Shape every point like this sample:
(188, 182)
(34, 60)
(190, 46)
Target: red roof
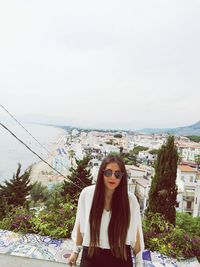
(185, 168)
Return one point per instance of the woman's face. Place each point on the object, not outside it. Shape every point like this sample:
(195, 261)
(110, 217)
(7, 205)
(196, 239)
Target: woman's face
(112, 176)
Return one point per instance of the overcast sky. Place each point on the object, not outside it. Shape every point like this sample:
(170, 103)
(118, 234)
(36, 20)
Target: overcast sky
(115, 64)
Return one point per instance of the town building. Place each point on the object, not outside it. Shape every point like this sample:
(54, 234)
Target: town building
(139, 182)
(188, 151)
(188, 197)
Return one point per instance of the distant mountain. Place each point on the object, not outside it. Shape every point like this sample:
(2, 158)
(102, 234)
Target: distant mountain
(193, 129)
(153, 130)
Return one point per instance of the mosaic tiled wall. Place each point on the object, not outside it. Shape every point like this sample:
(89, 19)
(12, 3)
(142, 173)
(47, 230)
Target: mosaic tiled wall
(34, 246)
(46, 248)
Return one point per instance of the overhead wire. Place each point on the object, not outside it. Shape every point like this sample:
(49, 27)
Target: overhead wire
(36, 139)
(25, 128)
(68, 180)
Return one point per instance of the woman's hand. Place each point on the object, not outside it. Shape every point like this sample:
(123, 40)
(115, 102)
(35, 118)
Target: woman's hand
(72, 259)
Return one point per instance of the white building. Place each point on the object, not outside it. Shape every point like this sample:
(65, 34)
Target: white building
(152, 141)
(142, 192)
(187, 190)
(134, 173)
(139, 183)
(189, 151)
(145, 156)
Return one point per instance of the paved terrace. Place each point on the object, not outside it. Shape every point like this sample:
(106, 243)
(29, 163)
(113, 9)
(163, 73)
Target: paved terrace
(15, 261)
(33, 250)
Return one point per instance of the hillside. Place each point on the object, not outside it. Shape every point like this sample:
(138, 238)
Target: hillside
(193, 129)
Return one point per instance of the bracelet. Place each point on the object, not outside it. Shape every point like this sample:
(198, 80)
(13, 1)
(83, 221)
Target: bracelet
(77, 249)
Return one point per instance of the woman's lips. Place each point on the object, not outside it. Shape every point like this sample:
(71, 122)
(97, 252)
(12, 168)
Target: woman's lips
(111, 183)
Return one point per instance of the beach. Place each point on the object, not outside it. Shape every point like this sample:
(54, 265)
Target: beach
(58, 159)
(12, 152)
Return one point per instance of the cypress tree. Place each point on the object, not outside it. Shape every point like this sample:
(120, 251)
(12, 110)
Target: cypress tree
(163, 192)
(80, 176)
(17, 189)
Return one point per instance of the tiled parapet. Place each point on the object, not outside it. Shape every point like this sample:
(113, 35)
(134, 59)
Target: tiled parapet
(30, 247)
(35, 246)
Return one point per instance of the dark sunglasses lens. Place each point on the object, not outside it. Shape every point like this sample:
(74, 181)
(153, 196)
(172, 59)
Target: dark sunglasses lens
(108, 173)
(118, 174)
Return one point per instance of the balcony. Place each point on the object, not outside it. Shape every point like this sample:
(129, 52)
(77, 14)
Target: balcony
(188, 198)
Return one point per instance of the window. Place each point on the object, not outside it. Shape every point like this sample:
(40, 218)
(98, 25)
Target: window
(191, 179)
(182, 178)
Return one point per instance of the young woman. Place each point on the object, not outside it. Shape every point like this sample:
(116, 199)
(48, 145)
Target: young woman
(108, 222)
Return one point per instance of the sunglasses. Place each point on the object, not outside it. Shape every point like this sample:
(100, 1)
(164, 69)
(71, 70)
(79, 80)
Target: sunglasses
(109, 173)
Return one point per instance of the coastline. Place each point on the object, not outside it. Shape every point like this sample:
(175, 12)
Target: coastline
(13, 152)
(41, 172)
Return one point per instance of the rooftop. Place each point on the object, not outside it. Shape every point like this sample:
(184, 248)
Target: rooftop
(185, 168)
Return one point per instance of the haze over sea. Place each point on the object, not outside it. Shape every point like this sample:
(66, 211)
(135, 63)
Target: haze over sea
(13, 152)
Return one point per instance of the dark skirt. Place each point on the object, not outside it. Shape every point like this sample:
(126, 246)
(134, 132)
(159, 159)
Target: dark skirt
(105, 258)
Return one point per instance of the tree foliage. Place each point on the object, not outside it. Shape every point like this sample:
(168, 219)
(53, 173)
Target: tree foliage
(197, 160)
(163, 192)
(55, 199)
(194, 138)
(137, 149)
(129, 159)
(4, 208)
(80, 176)
(17, 189)
(71, 154)
(39, 192)
(118, 135)
(154, 151)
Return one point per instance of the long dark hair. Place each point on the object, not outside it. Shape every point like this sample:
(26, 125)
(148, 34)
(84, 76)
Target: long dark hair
(120, 212)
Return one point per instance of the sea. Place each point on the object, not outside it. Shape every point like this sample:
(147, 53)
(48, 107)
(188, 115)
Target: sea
(13, 151)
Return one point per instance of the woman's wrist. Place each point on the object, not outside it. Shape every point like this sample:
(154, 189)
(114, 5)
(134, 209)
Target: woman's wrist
(77, 248)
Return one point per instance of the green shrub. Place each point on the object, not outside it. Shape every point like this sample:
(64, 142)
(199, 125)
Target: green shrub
(18, 220)
(188, 223)
(57, 223)
(169, 240)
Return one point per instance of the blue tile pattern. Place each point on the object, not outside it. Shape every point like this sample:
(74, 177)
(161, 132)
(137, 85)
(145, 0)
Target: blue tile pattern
(46, 248)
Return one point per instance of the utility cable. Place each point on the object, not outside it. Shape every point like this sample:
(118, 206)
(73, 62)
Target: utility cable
(36, 139)
(24, 128)
(68, 180)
